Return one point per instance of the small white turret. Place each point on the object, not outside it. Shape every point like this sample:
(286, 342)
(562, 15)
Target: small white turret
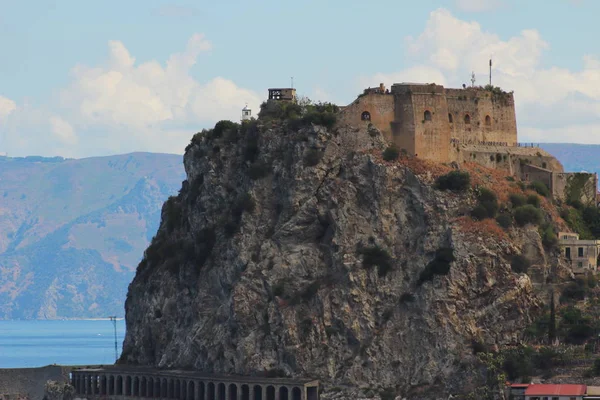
(246, 113)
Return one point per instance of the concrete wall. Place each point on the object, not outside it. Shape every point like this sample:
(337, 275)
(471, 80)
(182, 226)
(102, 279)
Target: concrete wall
(31, 381)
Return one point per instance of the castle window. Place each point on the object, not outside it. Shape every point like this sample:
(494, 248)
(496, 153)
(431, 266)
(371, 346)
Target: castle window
(427, 115)
(467, 119)
(449, 117)
(488, 120)
(365, 116)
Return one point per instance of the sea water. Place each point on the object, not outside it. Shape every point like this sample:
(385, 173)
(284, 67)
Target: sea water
(67, 342)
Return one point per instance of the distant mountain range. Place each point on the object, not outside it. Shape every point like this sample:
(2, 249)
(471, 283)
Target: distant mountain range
(575, 157)
(73, 231)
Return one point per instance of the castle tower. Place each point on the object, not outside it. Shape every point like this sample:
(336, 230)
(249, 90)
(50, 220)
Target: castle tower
(246, 113)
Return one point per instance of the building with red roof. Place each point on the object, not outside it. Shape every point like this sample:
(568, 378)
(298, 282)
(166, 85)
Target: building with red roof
(555, 392)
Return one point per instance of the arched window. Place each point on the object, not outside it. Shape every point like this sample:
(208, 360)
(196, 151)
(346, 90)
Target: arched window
(467, 119)
(365, 116)
(427, 115)
(450, 118)
(488, 120)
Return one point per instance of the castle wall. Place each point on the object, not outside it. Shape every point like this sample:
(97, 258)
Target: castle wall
(491, 117)
(403, 127)
(380, 108)
(428, 122)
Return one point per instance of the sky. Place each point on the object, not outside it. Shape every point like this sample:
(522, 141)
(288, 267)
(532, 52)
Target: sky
(93, 78)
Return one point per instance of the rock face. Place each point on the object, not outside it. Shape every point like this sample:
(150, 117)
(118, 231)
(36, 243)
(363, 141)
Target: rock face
(274, 259)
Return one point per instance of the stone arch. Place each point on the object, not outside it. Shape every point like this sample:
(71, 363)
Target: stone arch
(128, 386)
(183, 390)
(150, 387)
(427, 115)
(467, 119)
(270, 393)
(257, 389)
(245, 392)
(450, 119)
(143, 386)
(191, 390)
(164, 388)
(284, 393)
(202, 390)
(488, 120)
(211, 391)
(119, 388)
(136, 386)
(221, 391)
(177, 389)
(111, 384)
(233, 391)
(365, 116)
(296, 393)
(171, 394)
(103, 385)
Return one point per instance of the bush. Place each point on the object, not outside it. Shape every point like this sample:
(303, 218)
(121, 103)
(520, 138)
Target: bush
(549, 236)
(517, 200)
(504, 220)
(391, 153)
(540, 188)
(534, 200)
(457, 181)
(528, 214)
(312, 157)
(479, 213)
(488, 200)
(376, 256)
(224, 126)
(440, 265)
(407, 298)
(520, 264)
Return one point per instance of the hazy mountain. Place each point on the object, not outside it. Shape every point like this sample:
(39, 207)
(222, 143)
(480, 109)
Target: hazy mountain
(575, 157)
(73, 231)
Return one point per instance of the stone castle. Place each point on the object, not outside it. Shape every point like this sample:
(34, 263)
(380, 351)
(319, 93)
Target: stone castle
(472, 124)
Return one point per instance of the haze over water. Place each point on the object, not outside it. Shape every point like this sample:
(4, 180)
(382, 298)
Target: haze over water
(73, 342)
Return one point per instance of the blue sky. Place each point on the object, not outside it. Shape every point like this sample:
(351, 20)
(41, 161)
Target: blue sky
(82, 78)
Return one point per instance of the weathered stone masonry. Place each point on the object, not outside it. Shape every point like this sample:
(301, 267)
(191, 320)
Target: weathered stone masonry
(186, 385)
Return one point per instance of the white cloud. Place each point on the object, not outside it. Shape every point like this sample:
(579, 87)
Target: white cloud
(478, 5)
(7, 106)
(63, 130)
(122, 106)
(553, 104)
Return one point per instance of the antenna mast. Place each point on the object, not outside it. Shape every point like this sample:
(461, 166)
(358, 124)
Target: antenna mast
(490, 70)
(113, 318)
(472, 79)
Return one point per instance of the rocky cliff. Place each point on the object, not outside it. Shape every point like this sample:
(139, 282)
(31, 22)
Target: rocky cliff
(301, 252)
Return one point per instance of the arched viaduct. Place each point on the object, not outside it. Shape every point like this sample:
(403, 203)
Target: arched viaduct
(121, 383)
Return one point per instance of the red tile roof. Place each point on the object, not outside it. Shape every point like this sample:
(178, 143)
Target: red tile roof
(556, 390)
(519, 385)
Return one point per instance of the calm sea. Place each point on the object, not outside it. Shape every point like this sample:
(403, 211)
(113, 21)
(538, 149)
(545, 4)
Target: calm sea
(38, 343)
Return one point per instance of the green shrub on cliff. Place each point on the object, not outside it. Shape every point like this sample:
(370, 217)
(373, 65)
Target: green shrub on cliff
(528, 214)
(504, 220)
(457, 181)
(540, 188)
(391, 153)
